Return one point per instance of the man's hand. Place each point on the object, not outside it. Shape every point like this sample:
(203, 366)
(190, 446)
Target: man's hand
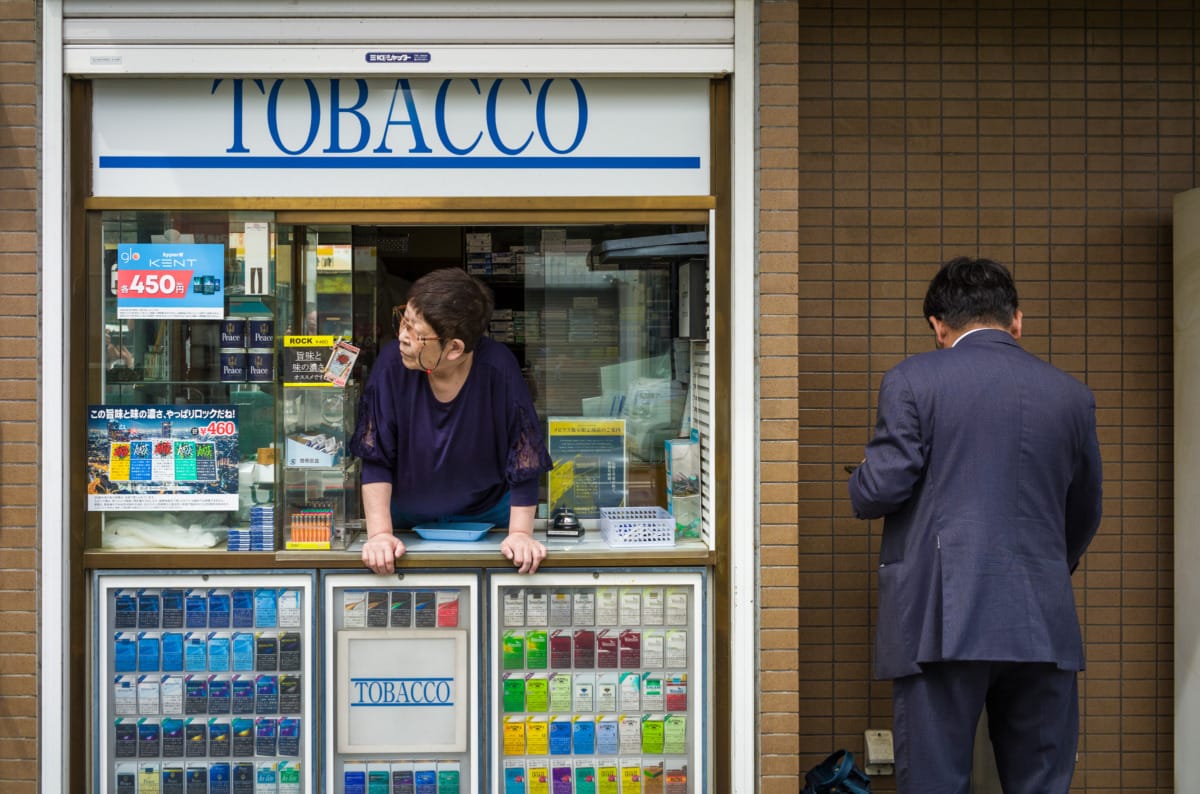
(524, 550)
(381, 551)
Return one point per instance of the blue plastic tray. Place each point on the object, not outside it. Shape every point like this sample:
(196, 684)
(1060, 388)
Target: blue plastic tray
(453, 530)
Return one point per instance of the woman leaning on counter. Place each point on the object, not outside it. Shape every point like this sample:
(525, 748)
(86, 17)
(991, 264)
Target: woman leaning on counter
(446, 427)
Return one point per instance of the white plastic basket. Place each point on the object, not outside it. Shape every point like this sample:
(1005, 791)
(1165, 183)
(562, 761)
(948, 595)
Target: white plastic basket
(637, 526)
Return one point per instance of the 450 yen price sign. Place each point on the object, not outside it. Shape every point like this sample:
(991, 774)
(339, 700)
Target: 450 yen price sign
(152, 284)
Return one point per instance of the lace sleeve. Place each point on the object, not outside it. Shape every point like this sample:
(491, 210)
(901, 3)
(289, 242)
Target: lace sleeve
(527, 455)
(370, 441)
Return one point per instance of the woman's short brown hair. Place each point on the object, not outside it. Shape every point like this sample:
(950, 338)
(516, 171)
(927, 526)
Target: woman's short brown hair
(454, 304)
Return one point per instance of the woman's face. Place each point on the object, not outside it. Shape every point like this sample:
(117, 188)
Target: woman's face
(417, 341)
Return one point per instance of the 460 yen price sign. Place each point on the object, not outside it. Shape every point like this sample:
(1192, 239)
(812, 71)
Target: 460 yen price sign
(217, 429)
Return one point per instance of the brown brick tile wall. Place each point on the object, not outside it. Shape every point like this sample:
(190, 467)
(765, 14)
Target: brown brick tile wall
(895, 134)
(19, 434)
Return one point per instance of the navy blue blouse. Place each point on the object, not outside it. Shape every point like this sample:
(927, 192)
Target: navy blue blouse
(455, 458)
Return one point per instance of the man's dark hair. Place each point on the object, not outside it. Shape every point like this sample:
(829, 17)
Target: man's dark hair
(969, 290)
(456, 305)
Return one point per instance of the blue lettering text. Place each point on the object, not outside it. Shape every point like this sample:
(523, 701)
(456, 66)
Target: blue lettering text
(402, 692)
(335, 115)
(410, 107)
(581, 124)
(493, 128)
(238, 147)
(314, 116)
(462, 116)
(439, 115)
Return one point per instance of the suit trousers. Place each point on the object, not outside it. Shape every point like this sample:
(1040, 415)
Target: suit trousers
(1033, 719)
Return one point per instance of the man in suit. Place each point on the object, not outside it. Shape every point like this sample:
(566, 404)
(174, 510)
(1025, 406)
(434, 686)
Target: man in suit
(985, 467)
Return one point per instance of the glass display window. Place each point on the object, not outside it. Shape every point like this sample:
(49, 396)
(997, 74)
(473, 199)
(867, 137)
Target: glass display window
(198, 316)
(183, 309)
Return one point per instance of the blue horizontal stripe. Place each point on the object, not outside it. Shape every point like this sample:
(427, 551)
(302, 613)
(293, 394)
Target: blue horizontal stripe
(383, 162)
(397, 705)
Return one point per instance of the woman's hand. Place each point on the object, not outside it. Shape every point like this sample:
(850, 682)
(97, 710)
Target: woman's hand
(381, 551)
(525, 551)
(382, 548)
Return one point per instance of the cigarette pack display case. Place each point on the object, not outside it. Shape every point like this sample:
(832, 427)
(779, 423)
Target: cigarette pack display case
(402, 692)
(598, 683)
(203, 682)
(320, 477)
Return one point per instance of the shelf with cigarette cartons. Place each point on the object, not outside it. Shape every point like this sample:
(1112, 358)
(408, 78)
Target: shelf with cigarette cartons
(599, 677)
(187, 362)
(320, 479)
(206, 677)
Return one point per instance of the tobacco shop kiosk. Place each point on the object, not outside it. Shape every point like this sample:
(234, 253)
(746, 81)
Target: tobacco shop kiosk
(244, 242)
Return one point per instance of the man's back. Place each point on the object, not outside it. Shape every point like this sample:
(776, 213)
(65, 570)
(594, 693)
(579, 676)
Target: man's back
(986, 466)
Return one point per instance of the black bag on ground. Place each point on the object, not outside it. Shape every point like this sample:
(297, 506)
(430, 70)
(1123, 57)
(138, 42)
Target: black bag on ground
(837, 774)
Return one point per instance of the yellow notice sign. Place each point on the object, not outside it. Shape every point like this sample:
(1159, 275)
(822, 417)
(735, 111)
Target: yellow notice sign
(589, 464)
(304, 359)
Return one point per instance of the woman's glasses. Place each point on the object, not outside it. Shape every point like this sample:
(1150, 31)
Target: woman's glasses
(401, 321)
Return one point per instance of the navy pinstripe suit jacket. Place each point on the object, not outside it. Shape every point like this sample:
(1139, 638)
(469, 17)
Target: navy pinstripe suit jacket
(985, 467)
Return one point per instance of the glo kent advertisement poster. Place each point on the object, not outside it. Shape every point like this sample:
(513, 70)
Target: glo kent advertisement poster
(162, 457)
(170, 281)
